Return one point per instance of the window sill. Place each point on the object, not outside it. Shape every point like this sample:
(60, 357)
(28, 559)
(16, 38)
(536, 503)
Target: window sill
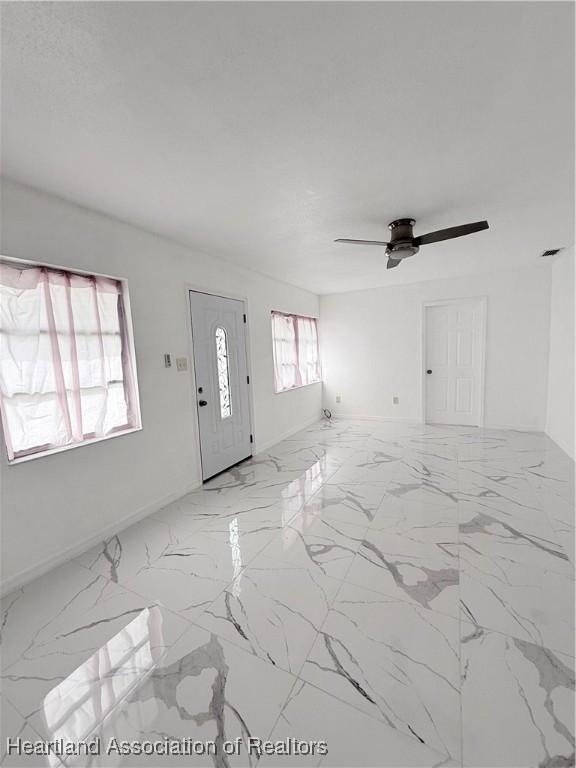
(61, 449)
(297, 386)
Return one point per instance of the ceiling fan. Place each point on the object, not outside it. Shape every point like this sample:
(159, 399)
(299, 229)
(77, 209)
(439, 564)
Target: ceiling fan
(403, 243)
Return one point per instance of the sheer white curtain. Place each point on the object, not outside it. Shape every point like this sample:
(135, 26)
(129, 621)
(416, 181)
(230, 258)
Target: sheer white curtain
(296, 357)
(286, 373)
(65, 364)
(308, 355)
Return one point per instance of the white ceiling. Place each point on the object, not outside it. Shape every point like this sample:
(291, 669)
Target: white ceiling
(259, 132)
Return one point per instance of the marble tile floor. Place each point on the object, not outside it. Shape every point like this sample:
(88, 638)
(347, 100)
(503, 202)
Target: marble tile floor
(398, 595)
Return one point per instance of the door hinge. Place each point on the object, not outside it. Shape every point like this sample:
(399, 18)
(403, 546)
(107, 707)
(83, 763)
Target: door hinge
(251, 439)
(247, 379)
(244, 316)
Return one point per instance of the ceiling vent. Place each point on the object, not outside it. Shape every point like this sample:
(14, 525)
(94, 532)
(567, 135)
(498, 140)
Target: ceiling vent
(551, 252)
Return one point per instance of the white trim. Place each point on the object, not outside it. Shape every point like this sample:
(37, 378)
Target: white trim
(62, 448)
(362, 417)
(514, 427)
(286, 435)
(297, 386)
(29, 574)
(408, 420)
(481, 397)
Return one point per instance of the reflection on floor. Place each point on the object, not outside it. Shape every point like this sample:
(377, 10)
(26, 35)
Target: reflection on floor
(403, 593)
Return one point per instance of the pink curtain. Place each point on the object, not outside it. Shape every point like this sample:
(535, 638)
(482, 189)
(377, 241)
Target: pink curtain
(295, 345)
(66, 371)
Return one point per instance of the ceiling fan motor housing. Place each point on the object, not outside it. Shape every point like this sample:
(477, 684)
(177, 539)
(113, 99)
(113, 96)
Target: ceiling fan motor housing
(401, 243)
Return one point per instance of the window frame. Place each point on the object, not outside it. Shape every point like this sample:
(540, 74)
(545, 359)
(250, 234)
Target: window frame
(294, 317)
(40, 453)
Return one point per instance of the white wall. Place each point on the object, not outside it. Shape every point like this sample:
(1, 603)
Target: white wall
(372, 346)
(53, 505)
(560, 417)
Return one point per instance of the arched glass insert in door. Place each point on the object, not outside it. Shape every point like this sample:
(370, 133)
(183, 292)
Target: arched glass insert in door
(223, 373)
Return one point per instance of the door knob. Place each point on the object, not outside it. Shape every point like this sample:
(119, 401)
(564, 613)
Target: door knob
(202, 403)
(429, 370)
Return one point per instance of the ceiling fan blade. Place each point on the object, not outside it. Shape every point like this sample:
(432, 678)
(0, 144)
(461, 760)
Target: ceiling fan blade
(392, 263)
(360, 242)
(448, 234)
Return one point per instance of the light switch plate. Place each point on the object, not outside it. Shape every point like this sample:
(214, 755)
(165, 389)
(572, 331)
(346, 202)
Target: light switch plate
(181, 363)
(167, 360)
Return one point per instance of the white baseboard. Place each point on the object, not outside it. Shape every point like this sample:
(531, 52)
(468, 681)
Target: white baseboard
(261, 447)
(29, 574)
(407, 420)
(360, 417)
(513, 427)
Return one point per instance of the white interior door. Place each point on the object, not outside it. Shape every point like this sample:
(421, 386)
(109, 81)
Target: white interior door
(453, 360)
(219, 337)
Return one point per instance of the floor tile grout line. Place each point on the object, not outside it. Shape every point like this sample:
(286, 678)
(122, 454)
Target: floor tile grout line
(28, 724)
(303, 682)
(453, 617)
(195, 623)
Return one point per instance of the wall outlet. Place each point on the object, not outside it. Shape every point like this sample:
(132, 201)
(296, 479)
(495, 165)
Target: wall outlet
(338, 399)
(395, 400)
(181, 363)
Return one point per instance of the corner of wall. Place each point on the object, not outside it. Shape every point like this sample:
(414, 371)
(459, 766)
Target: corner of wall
(560, 410)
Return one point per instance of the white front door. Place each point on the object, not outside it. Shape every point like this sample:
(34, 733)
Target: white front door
(453, 360)
(219, 338)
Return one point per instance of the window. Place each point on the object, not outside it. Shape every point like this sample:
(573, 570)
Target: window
(296, 357)
(67, 369)
(223, 375)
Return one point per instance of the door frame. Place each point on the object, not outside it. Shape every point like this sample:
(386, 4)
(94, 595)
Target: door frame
(480, 396)
(188, 287)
